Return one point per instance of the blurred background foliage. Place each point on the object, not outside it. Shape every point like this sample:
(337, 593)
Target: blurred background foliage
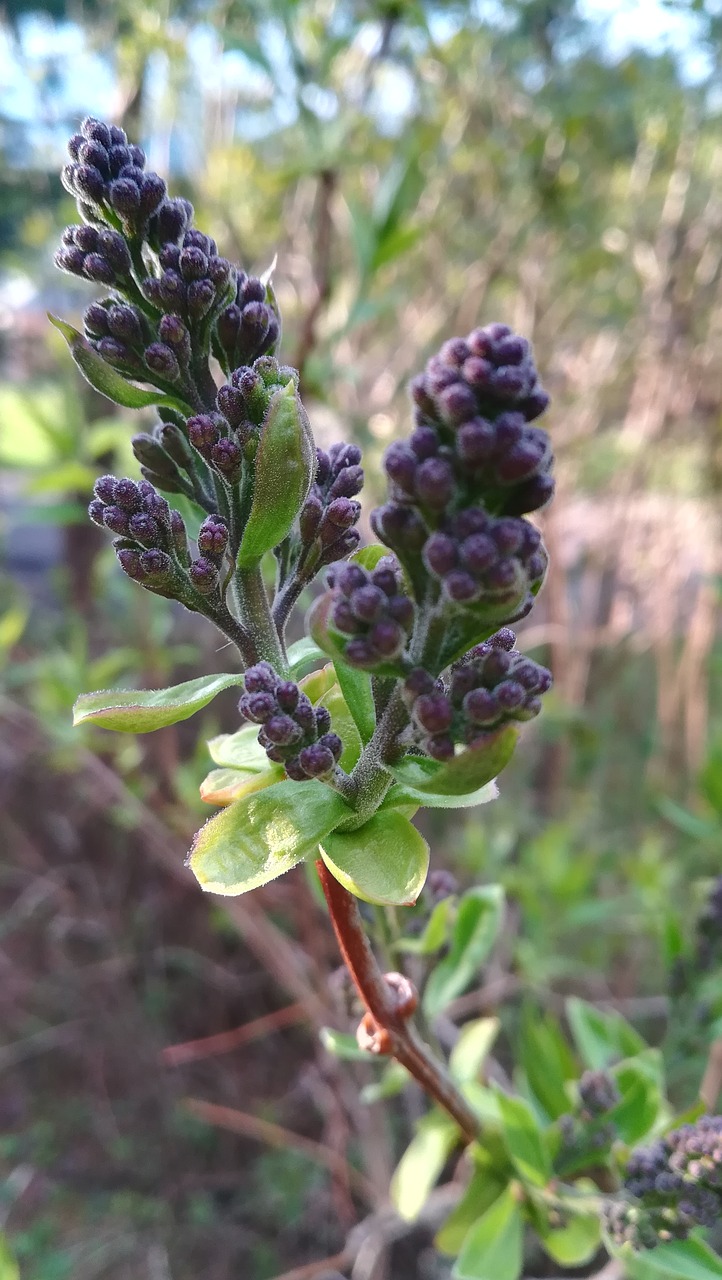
(418, 167)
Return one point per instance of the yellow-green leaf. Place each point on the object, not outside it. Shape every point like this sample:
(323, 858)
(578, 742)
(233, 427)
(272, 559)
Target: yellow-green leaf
(464, 774)
(259, 837)
(143, 710)
(385, 861)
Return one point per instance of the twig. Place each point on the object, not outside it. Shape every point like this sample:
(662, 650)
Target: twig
(175, 1055)
(274, 1135)
(711, 1086)
(387, 1021)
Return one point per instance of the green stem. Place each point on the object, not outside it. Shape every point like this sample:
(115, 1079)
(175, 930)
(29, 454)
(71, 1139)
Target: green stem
(257, 619)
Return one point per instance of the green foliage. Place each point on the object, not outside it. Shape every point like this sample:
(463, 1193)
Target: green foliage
(142, 711)
(286, 451)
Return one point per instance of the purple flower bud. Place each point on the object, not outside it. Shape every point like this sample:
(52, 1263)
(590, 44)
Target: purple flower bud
(193, 264)
(520, 462)
(348, 483)
(316, 760)
(126, 495)
(476, 441)
(504, 639)
(287, 695)
(386, 638)
(433, 712)
(96, 511)
(213, 537)
(332, 743)
(323, 720)
(157, 566)
(173, 333)
(282, 730)
(172, 220)
(350, 578)
(203, 432)
(509, 381)
(400, 463)
(510, 695)
(96, 131)
(530, 496)
(123, 322)
(440, 747)
(367, 603)
(341, 513)
(130, 563)
(478, 373)
(418, 682)
(424, 442)
(440, 554)
(384, 576)
(359, 653)
(125, 198)
(460, 586)
(401, 609)
(144, 529)
(226, 457)
(535, 404)
(204, 575)
(501, 576)
(231, 404)
(507, 535)
(261, 678)
(114, 249)
(98, 269)
(478, 553)
(152, 192)
(200, 296)
(258, 707)
(457, 402)
(104, 488)
(435, 483)
(480, 706)
(88, 183)
(455, 352)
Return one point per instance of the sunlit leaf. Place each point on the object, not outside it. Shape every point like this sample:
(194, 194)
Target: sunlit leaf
(464, 774)
(422, 1162)
(493, 1248)
(477, 926)
(385, 861)
(142, 710)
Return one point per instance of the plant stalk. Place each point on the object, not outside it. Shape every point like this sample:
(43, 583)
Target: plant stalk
(378, 998)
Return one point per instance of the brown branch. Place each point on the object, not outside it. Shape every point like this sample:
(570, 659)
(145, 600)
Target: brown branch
(175, 1055)
(321, 268)
(274, 1135)
(387, 1016)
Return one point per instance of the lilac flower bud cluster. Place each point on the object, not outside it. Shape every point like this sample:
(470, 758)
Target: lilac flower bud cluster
(294, 732)
(163, 456)
(371, 611)
(151, 542)
(598, 1093)
(494, 685)
(94, 253)
(248, 327)
(125, 338)
(194, 278)
(229, 437)
(587, 1132)
(106, 172)
(672, 1187)
(474, 403)
(327, 522)
(498, 562)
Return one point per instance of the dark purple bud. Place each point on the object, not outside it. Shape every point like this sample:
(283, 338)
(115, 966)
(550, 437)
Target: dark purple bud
(91, 153)
(172, 219)
(478, 373)
(130, 563)
(316, 761)
(503, 639)
(96, 511)
(348, 483)
(435, 483)
(386, 638)
(136, 155)
(104, 488)
(323, 719)
(332, 743)
(88, 182)
(439, 376)
(118, 158)
(161, 360)
(384, 576)
(472, 520)
(478, 553)
(536, 566)
(535, 404)
(213, 537)
(530, 710)
(341, 513)
(115, 251)
(342, 455)
(480, 706)
(460, 586)
(507, 535)
(193, 264)
(501, 575)
(125, 198)
(520, 462)
(157, 566)
(124, 323)
(359, 653)
(294, 770)
(455, 352)
(530, 496)
(95, 131)
(152, 192)
(511, 350)
(282, 730)
(399, 527)
(476, 441)
(509, 695)
(305, 714)
(457, 403)
(70, 259)
(204, 575)
(199, 298)
(350, 578)
(258, 707)
(421, 395)
(74, 145)
(497, 665)
(343, 618)
(231, 404)
(401, 609)
(424, 442)
(433, 712)
(174, 333)
(126, 495)
(400, 463)
(287, 695)
(509, 381)
(251, 290)
(144, 529)
(115, 352)
(367, 602)
(226, 457)
(203, 432)
(310, 518)
(440, 747)
(98, 269)
(440, 554)
(261, 678)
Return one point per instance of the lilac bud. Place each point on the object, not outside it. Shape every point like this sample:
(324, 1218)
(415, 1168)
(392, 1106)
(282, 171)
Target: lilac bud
(144, 529)
(316, 760)
(204, 575)
(433, 712)
(435, 483)
(261, 678)
(440, 554)
(282, 730)
(323, 719)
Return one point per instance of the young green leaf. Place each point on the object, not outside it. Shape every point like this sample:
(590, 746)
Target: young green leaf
(678, 1260)
(285, 450)
(385, 861)
(264, 834)
(223, 786)
(601, 1038)
(483, 1190)
(422, 1162)
(464, 774)
(493, 1248)
(143, 710)
(356, 688)
(575, 1244)
(107, 380)
(240, 750)
(547, 1061)
(435, 933)
(342, 723)
(524, 1140)
(303, 656)
(471, 1049)
(405, 797)
(478, 922)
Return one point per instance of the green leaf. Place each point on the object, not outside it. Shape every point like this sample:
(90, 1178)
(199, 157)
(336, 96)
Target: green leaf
(261, 836)
(107, 380)
(357, 690)
(303, 656)
(143, 710)
(463, 775)
(524, 1140)
(422, 1162)
(641, 1086)
(404, 798)
(483, 1190)
(240, 750)
(343, 1046)
(477, 927)
(223, 786)
(392, 1082)
(435, 933)
(369, 556)
(575, 1244)
(342, 723)
(283, 470)
(9, 1269)
(493, 1248)
(472, 1048)
(547, 1061)
(601, 1038)
(677, 1260)
(385, 861)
